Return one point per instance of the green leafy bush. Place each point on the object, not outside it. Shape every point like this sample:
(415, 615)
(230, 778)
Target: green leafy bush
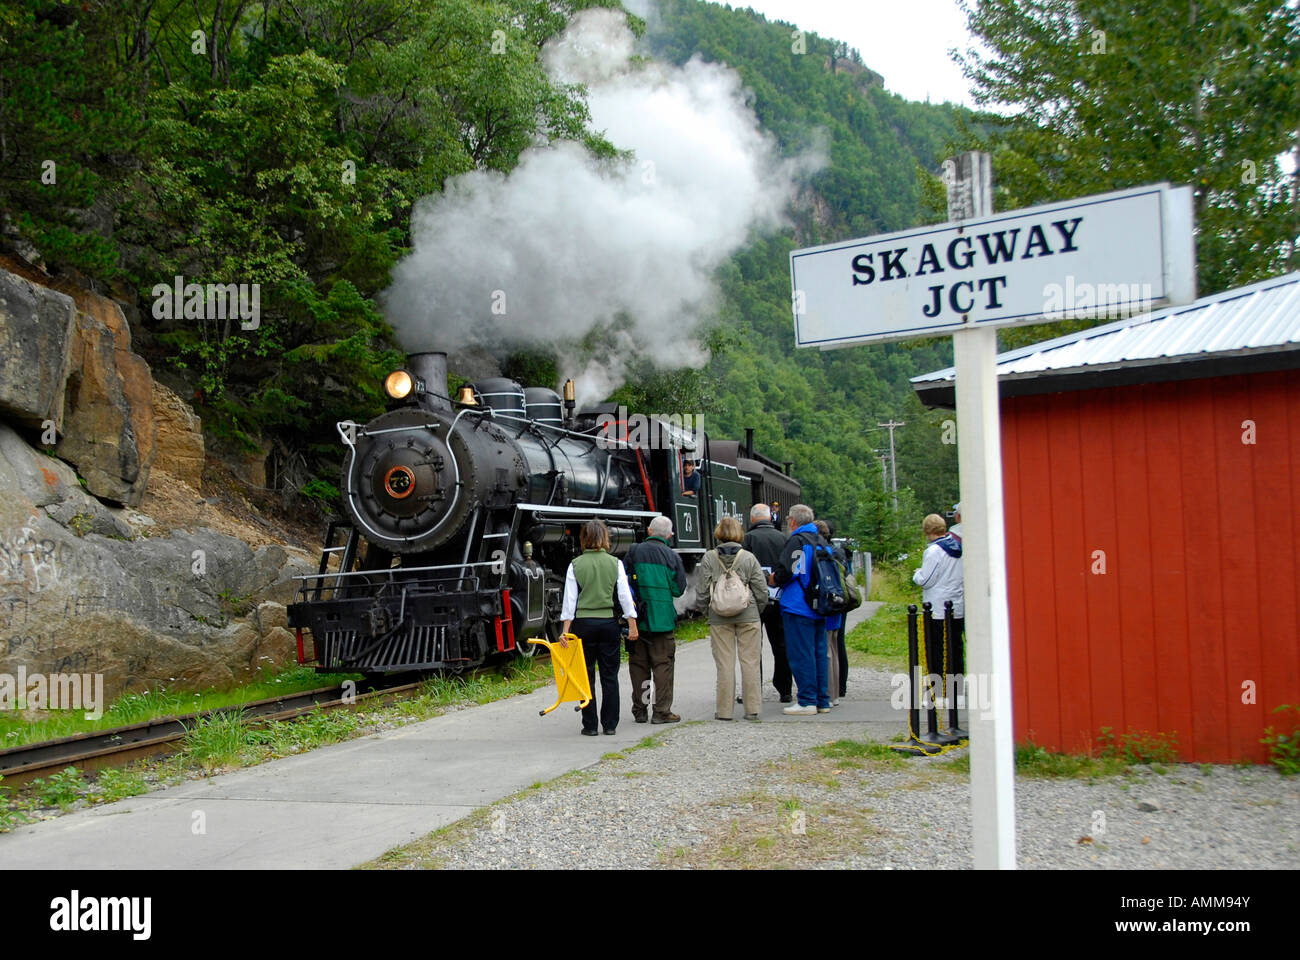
(1137, 748)
(60, 790)
(1283, 746)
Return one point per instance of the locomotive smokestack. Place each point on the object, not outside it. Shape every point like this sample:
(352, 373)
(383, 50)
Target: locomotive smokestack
(431, 368)
(749, 442)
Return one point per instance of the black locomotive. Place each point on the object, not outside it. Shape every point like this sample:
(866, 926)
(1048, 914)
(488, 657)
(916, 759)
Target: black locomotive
(462, 516)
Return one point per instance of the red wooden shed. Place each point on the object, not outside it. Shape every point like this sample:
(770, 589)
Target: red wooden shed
(1151, 472)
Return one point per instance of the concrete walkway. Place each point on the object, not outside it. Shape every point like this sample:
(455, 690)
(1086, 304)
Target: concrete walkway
(342, 805)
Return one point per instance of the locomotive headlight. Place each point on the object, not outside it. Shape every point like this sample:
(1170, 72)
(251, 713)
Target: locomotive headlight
(398, 384)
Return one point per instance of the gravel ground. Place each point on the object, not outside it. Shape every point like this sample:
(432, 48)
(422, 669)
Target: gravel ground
(737, 794)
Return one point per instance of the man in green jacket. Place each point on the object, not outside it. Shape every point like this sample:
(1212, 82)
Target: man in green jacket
(657, 576)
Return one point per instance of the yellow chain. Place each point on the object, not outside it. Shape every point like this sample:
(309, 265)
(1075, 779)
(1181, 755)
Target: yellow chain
(925, 672)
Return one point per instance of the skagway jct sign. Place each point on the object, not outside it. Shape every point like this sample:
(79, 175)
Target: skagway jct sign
(1107, 255)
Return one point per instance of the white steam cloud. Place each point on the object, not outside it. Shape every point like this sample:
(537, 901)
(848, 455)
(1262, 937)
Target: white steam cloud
(566, 244)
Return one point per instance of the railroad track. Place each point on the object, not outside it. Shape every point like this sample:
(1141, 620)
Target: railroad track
(120, 745)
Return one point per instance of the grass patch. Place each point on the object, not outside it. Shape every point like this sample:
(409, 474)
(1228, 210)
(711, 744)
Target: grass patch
(1284, 746)
(1115, 756)
(646, 743)
(688, 631)
(1036, 761)
(882, 638)
(1136, 748)
(17, 728)
(61, 789)
(859, 749)
(781, 834)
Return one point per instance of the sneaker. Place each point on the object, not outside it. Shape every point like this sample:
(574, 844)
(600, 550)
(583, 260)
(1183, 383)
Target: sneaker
(753, 717)
(666, 718)
(787, 698)
(640, 718)
(835, 702)
(800, 711)
(823, 709)
(716, 717)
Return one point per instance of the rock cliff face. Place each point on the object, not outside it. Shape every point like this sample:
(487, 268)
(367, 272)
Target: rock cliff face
(83, 587)
(37, 327)
(78, 594)
(109, 431)
(65, 359)
(180, 437)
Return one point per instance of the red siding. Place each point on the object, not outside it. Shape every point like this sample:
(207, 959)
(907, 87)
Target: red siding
(1198, 534)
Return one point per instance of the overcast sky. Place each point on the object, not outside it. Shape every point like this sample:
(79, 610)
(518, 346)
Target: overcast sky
(906, 41)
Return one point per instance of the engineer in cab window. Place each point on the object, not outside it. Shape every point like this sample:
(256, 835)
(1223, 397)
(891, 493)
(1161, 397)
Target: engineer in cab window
(690, 479)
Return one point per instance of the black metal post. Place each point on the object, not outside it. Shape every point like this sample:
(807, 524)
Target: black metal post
(953, 669)
(927, 683)
(913, 665)
(913, 746)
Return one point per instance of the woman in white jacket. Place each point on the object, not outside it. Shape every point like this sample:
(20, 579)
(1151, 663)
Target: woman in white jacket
(940, 579)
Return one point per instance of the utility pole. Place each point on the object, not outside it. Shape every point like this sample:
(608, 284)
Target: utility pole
(893, 461)
(884, 474)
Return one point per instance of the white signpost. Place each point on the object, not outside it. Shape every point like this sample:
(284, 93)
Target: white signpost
(1107, 255)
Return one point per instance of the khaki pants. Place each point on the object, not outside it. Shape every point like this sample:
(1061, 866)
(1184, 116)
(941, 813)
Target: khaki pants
(833, 661)
(730, 640)
(652, 656)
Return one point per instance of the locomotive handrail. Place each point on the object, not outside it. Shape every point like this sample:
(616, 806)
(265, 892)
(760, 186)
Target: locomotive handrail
(584, 511)
(392, 570)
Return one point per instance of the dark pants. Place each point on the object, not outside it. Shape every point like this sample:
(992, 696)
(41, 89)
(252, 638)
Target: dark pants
(652, 655)
(601, 645)
(781, 677)
(843, 654)
(934, 648)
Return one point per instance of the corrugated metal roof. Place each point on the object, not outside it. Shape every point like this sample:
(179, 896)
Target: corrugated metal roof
(1261, 318)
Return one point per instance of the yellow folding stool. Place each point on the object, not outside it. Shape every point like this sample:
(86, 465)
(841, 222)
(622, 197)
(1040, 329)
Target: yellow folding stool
(570, 666)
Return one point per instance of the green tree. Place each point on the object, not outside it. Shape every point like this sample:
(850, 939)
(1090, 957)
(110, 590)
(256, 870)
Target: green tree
(67, 130)
(1205, 93)
(892, 537)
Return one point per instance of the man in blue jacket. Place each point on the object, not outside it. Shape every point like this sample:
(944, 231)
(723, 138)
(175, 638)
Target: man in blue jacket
(805, 631)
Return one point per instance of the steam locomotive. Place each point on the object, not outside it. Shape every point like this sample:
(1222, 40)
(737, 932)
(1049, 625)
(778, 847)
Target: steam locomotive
(462, 516)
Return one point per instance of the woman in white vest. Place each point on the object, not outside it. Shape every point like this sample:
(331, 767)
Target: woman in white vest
(732, 590)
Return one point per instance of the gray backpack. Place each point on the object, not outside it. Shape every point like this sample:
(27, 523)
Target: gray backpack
(730, 595)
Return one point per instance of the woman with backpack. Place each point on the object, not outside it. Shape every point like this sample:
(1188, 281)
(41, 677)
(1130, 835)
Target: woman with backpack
(732, 590)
